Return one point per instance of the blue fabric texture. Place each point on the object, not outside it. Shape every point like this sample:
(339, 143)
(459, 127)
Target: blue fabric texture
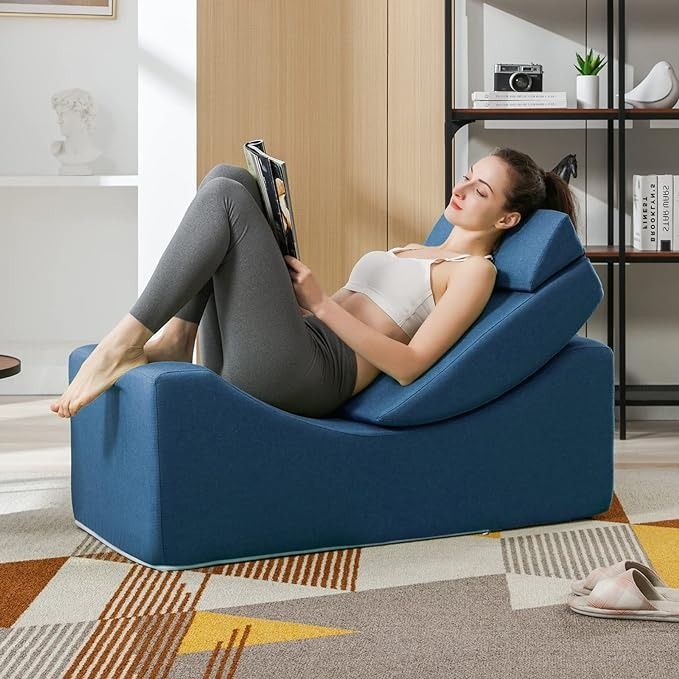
(550, 289)
(177, 468)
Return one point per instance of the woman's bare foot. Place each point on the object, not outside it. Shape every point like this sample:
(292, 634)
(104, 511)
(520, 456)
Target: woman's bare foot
(99, 371)
(168, 348)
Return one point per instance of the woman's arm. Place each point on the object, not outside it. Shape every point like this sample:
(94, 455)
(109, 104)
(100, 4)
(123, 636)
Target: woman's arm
(338, 297)
(389, 355)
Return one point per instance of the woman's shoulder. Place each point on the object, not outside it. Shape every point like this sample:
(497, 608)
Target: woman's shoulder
(481, 261)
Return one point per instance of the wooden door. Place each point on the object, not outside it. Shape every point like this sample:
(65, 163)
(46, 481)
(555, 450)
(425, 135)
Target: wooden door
(350, 94)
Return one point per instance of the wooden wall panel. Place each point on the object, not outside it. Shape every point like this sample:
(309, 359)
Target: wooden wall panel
(310, 78)
(348, 92)
(416, 170)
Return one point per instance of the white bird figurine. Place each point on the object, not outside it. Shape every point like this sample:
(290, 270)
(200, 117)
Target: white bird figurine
(659, 89)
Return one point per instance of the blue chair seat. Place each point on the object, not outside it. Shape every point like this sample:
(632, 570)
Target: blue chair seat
(174, 467)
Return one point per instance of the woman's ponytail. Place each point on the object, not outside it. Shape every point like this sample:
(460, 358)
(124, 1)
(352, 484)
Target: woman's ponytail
(559, 196)
(531, 188)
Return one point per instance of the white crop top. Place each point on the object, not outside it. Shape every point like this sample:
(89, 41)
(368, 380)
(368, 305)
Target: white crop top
(400, 286)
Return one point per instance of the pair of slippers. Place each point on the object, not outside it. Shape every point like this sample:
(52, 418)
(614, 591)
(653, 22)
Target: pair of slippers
(628, 590)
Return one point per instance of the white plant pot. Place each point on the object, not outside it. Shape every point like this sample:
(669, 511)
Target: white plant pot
(587, 91)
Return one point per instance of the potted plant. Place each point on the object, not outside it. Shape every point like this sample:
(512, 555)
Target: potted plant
(587, 83)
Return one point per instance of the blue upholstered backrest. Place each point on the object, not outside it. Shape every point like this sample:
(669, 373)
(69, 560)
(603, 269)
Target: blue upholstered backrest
(530, 253)
(545, 291)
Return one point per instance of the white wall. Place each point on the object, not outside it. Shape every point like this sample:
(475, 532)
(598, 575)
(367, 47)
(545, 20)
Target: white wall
(167, 124)
(74, 260)
(69, 255)
(42, 55)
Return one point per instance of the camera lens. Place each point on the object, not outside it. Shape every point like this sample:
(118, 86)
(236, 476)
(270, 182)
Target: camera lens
(520, 82)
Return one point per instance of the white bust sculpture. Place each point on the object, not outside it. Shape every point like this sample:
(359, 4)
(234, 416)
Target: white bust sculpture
(76, 115)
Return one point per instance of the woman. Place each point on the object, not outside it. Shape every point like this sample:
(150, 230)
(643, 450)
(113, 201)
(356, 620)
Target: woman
(398, 313)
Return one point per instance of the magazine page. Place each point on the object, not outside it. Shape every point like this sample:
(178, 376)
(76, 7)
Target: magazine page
(255, 170)
(283, 196)
(270, 196)
(272, 179)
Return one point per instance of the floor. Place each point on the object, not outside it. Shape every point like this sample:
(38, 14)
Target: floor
(398, 611)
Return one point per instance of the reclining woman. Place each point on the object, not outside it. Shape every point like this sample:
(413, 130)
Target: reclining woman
(398, 313)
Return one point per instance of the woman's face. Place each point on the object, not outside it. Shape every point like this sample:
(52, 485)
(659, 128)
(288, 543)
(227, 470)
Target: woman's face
(479, 196)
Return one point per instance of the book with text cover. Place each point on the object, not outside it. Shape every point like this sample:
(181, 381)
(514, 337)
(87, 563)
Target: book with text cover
(519, 99)
(665, 205)
(643, 229)
(518, 96)
(274, 186)
(521, 104)
(653, 210)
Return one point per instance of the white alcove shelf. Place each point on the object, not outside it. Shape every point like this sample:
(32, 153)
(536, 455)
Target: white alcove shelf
(47, 180)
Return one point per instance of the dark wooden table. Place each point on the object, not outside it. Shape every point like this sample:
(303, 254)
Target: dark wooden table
(9, 365)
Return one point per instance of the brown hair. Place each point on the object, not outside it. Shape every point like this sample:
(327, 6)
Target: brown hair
(531, 188)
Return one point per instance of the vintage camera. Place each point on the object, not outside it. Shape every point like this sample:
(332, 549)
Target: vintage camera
(518, 78)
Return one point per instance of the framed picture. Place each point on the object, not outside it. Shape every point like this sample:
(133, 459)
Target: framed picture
(75, 9)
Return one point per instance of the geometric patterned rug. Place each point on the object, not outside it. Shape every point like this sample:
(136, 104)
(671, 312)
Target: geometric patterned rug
(468, 606)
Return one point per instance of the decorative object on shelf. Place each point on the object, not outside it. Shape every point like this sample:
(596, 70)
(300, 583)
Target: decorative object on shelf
(517, 78)
(567, 167)
(87, 9)
(76, 114)
(587, 83)
(659, 89)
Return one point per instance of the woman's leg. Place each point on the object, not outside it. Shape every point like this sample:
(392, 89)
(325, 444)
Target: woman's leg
(202, 309)
(180, 273)
(269, 351)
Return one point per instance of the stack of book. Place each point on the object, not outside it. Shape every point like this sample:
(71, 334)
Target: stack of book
(655, 212)
(519, 100)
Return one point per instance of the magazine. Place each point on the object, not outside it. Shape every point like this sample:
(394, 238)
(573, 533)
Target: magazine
(272, 179)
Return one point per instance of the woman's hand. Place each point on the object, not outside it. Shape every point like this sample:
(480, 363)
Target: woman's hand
(309, 293)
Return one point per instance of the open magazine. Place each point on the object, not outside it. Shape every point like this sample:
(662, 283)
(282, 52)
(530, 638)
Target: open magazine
(272, 179)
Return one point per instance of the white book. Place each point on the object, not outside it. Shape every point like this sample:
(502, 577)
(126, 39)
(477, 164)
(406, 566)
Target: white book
(653, 211)
(636, 211)
(520, 104)
(494, 96)
(641, 195)
(675, 214)
(665, 205)
(637, 223)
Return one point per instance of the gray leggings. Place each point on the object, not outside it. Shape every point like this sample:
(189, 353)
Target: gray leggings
(223, 269)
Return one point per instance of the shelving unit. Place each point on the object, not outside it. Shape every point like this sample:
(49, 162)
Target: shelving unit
(456, 118)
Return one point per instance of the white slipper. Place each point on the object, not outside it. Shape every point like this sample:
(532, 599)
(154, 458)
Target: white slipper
(584, 587)
(630, 596)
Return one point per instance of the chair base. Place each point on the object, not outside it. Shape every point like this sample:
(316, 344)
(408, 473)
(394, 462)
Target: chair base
(176, 468)
(165, 567)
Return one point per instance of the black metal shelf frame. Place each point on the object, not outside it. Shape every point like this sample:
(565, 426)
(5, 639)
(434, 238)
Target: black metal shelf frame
(454, 123)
